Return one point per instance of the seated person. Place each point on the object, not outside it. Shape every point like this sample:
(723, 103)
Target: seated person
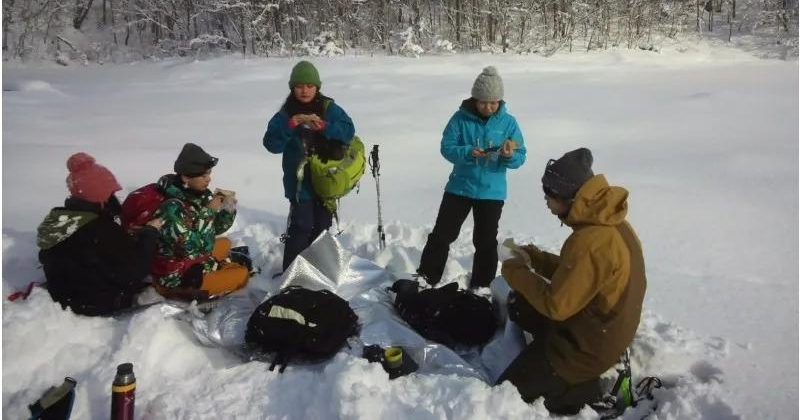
(582, 306)
(91, 264)
(192, 263)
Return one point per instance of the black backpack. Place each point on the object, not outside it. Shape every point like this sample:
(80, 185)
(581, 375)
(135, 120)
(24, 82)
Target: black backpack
(446, 315)
(312, 324)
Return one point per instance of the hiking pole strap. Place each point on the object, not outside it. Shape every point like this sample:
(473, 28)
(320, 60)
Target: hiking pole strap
(339, 230)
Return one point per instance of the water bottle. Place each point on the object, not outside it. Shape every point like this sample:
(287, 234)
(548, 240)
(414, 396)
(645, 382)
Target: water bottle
(123, 393)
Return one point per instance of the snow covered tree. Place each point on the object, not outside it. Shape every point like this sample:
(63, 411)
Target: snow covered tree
(156, 28)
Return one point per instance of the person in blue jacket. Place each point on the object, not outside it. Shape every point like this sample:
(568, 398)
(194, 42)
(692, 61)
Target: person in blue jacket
(482, 140)
(308, 122)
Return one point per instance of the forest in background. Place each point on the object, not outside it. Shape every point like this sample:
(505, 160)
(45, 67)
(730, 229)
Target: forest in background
(131, 30)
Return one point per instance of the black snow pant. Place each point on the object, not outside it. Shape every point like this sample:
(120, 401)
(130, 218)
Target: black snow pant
(452, 213)
(307, 219)
(532, 374)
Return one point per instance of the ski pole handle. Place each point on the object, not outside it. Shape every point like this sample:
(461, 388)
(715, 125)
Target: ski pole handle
(375, 161)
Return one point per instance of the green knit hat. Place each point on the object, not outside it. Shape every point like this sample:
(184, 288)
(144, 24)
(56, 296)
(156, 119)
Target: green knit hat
(305, 73)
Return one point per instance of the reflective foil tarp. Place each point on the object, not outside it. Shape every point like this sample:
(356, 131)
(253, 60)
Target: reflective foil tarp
(326, 264)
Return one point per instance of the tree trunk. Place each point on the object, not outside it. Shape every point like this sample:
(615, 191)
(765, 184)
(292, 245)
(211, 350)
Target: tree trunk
(697, 7)
(244, 36)
(711, 20)
(387, 46)
(276, 22)
(730, 26)
(8, 20)
(81, 13)
(194, 21)
(187, 9)
(127, 30)
(458, 20)
(113, 21)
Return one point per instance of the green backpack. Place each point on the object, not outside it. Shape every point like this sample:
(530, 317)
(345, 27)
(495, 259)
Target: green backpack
(333, 179)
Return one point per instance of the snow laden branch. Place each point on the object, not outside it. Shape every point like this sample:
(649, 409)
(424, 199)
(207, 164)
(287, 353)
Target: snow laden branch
(150, 28)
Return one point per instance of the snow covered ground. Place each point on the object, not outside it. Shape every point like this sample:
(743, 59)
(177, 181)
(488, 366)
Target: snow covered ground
(705, 140)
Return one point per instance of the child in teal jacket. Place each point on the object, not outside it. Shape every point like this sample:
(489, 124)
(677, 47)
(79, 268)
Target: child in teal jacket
(482, 140)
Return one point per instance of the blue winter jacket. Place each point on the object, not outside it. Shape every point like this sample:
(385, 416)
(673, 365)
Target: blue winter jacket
(279, 138)
(482, 178)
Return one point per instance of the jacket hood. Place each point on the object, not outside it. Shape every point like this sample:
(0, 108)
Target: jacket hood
(597, 203)
(60, 224)
(172, 186)
(469, 109)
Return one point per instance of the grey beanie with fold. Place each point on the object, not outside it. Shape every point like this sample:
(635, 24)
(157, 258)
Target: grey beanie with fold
(563, 177)
(488, 86)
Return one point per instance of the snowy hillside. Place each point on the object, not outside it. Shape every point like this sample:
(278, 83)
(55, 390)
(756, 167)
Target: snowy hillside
(706, 141)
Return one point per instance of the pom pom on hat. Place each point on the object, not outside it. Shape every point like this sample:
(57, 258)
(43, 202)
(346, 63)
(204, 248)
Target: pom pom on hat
(88, 180)
(79, 161)
(488, 85)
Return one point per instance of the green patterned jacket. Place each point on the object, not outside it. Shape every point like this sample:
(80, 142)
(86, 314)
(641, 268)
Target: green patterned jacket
(189, 231)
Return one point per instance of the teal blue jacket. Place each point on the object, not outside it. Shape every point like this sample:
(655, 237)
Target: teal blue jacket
(279, 138)
(482, 178)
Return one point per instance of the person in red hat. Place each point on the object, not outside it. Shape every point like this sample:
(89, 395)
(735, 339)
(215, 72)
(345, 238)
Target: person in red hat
(91, 264)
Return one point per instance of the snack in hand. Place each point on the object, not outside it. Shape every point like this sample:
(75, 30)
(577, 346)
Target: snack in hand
(224, 193)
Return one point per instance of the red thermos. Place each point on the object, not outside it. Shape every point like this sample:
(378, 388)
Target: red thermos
(123, 393)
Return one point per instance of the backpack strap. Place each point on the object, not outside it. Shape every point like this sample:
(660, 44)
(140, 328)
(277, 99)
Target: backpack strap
(285, 361)
(276, 361)
(300, 174)
(326, 102)
(281, 359)
(339, 230)
(23, 294)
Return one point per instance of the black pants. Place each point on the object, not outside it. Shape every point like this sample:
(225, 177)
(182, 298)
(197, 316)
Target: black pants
(307, 219)
(452, 213)
(532, 374)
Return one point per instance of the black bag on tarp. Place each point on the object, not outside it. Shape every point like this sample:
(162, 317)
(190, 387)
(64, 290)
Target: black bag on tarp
(445, 315)
(301, 323)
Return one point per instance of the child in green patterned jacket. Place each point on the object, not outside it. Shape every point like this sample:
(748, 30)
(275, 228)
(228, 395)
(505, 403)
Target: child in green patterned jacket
(191, 260)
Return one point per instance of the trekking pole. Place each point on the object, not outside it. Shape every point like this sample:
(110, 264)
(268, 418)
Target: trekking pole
(375, 166)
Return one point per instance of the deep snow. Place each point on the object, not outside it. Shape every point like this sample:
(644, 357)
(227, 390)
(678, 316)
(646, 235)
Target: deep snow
(705, 140)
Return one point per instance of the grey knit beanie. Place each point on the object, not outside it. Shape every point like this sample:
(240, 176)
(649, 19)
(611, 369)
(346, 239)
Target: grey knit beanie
(488, 86)
(563, 177)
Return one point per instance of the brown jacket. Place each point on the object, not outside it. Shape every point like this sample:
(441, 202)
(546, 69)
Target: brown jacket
(596, 286)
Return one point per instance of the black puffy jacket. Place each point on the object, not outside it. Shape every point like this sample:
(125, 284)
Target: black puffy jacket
(91, 264)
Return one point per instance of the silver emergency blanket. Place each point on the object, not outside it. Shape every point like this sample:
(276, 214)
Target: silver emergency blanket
(327, 265)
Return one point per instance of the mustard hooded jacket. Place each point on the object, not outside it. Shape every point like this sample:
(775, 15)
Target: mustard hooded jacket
(593, 291)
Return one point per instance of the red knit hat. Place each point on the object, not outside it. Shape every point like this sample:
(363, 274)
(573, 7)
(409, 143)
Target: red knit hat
(88, 180)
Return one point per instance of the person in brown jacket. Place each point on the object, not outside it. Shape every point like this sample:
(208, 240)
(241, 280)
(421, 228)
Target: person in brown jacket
(582, 306)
